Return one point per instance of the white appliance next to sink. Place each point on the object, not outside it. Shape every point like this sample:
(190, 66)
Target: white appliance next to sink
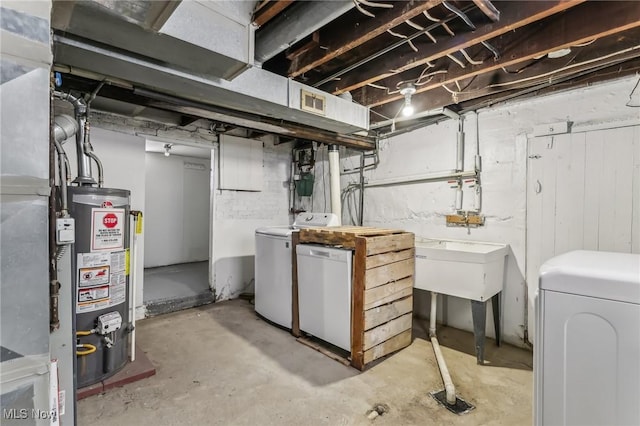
(324, 293)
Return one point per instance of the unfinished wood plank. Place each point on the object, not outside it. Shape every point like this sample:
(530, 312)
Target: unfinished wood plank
(394, 256)
(357, 304)
(390, 272)
(323, 350)
(513, 17)
(266, 11)
(388, 293)
(385, 313)
(400, 341)
(344, 236)
(336, 239)
(338, 41)
(377, 231)
(377, 335)
(394, 242)
(295, 319)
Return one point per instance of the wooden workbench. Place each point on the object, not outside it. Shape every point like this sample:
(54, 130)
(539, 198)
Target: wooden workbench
(382, 287)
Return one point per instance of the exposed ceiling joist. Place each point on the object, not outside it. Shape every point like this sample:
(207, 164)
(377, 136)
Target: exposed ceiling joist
(594, 57)
(569, 29)
(513, 16)
(336, 42)
(268, 9)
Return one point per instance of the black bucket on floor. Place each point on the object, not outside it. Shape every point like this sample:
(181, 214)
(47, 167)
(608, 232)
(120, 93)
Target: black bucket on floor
(460, 407)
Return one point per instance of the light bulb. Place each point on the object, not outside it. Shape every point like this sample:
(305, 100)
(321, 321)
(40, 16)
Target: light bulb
(407, 110)
(166, 152)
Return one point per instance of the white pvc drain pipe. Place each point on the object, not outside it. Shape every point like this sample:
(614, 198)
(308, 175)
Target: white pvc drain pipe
(449, 387)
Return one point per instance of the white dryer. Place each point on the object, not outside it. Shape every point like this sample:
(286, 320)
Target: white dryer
(587, 348)
(273, 266)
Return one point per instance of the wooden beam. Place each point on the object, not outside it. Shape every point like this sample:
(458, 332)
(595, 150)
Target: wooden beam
(268, 10)
(342, 40)
(570, 29)
(514, 15)
(291, 54)
(357, 303)
(498, 86)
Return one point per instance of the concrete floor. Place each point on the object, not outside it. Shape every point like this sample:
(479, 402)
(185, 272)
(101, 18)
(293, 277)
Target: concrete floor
(174, 287)
(220, 364)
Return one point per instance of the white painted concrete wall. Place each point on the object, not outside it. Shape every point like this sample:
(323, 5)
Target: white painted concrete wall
(239, 213)
(504, 134)
(176, 209)
(122, 157)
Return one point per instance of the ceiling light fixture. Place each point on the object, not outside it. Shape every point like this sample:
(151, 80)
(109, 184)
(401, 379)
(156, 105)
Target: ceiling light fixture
(407, 90)
(167, 149)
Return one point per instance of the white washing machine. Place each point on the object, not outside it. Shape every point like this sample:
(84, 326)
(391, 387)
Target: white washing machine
(273, 266)
(587, 349)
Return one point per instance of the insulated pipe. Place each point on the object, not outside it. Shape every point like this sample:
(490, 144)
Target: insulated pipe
(334, 181)
(449, 387)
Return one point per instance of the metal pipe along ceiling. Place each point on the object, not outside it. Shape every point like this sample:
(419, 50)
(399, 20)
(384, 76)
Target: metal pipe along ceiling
(300, 20)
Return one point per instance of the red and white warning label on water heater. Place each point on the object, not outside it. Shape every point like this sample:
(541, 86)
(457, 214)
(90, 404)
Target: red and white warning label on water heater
(102, 280)
(107, 229)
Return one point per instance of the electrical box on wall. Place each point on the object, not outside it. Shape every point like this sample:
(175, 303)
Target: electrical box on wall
(240, 163)
(65, 231)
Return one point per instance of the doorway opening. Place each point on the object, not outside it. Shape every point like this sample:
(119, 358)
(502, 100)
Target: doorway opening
(177, 227)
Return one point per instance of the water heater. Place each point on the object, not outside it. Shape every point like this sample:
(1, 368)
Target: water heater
(100, 264)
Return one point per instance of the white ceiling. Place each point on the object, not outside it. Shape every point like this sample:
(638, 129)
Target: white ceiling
(178, 149)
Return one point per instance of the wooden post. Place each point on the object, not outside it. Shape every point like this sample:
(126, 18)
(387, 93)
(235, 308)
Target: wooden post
(357, 303)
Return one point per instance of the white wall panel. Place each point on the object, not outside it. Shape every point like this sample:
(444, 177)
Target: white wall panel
(587, 196)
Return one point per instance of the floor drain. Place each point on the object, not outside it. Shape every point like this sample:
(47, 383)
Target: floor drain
(460, 407)
(377, 410)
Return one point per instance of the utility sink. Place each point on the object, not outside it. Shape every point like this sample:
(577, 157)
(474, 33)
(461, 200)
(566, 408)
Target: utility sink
(469, 269)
